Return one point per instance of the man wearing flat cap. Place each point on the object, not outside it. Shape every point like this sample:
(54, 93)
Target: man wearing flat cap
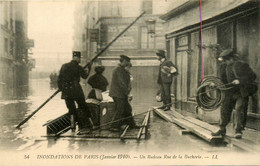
(120, 90)
(167, 70)
(69, 84)
(239, 77)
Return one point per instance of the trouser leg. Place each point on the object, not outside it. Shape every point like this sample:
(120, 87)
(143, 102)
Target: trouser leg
(71, 106)
(119, 110)
(83, 114)
(241, 113)
(72, 110)
(83, 105)
(226, 111)
(166, 94)
(162, 94)
(254, 105)
(128, 114)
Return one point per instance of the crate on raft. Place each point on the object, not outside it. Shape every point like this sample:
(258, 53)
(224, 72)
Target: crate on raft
(102, 112)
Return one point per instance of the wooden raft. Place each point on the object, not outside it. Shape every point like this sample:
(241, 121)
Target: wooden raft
(191, 125)
(127, 133)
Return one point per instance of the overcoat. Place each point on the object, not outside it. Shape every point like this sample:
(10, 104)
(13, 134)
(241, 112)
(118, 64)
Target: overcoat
(164, 77)
(69, 78)
(120, 84)
(240, 70)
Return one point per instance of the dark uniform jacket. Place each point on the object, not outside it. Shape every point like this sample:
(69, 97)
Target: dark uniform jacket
(241, 71)
(164, 77)
(120, 84)
(69, 79)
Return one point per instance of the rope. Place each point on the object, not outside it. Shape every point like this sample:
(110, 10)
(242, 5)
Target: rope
(209, 98)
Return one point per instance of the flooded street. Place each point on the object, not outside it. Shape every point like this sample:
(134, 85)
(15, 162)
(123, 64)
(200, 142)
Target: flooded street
(164, 137)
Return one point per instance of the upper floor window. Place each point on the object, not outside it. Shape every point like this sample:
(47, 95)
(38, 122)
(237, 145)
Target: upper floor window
(147, 41)
(115, 8)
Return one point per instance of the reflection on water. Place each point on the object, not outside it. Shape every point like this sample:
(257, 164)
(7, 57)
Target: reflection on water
(164, 136)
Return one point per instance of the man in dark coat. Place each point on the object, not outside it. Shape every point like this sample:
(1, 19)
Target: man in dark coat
(167, 70)
(240, 77)
(119, 91)
(97, 81)
(69, 84)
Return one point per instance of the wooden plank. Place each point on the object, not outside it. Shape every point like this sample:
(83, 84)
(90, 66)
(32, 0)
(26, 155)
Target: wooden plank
(147, 125)
(63, 131)
(197, 130)
(162, 114)
(202, 124)
(175, 114)
(196, 121)
(123, 134)
(184, 131)
(193, 128)
(57, 119)
(144, 124)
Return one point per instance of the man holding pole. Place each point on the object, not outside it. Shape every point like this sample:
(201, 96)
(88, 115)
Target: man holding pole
(68, 83)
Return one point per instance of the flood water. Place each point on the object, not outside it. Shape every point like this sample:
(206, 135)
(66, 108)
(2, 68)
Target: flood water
(164, 137)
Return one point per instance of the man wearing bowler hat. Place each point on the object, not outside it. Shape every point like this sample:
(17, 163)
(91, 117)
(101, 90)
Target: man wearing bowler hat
(239, 77)
(119, 90)
(69, 84)
(167, 70)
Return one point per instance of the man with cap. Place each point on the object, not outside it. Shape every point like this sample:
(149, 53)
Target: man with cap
(69, 84)
(237, 75)
(119, 90)
(167, 70)
(97, 81)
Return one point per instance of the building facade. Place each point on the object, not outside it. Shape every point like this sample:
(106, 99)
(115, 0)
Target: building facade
(14, 61)
(225, 24)
(101, 21)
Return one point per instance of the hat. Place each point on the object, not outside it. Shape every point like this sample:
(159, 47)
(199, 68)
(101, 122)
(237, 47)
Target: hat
(124, 57)
(160, 53)
(99, 69)
(76, 53)
(226, 54)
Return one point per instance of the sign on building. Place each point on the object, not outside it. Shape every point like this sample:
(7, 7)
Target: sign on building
(93, 35)
(29, 43)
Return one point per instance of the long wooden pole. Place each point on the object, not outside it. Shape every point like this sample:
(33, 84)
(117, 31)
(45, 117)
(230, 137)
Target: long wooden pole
(89, 64)
(34, 112)
(104, 49)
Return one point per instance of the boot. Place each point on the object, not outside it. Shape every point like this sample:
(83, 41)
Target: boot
(238, 135)
(72, 123)
(221, 131)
